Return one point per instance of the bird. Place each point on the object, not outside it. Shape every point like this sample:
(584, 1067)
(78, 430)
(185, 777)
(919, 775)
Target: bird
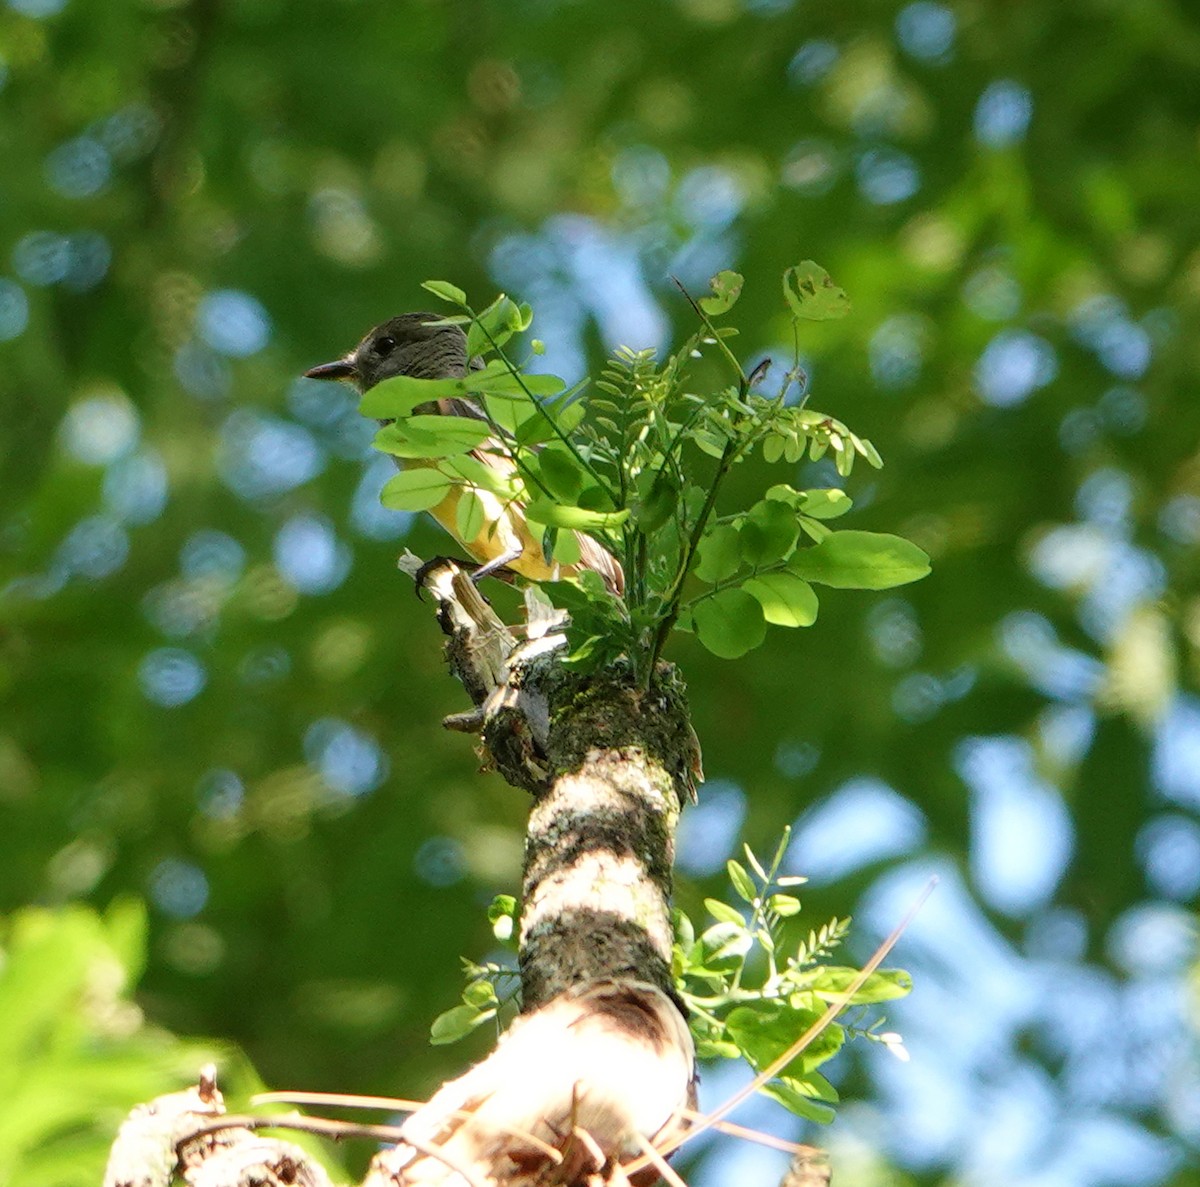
(423, 346)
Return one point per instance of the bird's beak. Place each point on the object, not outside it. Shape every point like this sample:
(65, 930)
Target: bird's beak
(338, 369)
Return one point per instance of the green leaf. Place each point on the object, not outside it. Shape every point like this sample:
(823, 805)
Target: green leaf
(567, 550)
(719, 555)
(773, 447)
(729, 623)
(786, 599)
(764, 1030)
(768, 533)
(493, 327)
(708, 442)
(717, 1049)
(785, 905)
(726, 287)
(417, 489)
(741, 881)
(469, 515)
(504, 915)
(456, 1024)
(788, 1092)
(463, 469)
(881, 986)
(446, 291)
(721, 947)
(815, 529)
(723, 912)
(399, 395)
(869, 452)
(659, 505)
(563, 476)
(563, 412)
(789, 496)
(826, 504)
(431, 436)
(518, 385)
(556, 515)
(480, 994)
(812, 295)
(861, 560)
(685, 932)
(755, 864)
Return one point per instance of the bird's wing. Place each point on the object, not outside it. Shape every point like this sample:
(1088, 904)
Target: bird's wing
(593, 555)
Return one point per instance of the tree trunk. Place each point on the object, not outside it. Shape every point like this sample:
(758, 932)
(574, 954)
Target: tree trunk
(600, 1063)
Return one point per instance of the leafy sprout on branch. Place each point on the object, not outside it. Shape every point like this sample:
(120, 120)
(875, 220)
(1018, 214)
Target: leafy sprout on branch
(750, 983)
(639, 461)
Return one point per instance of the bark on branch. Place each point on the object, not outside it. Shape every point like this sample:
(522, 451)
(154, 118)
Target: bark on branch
(601, 1062)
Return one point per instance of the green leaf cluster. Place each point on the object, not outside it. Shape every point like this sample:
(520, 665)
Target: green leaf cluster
(75, 1051)
(752, 989)
(639, 461)
(490, 987)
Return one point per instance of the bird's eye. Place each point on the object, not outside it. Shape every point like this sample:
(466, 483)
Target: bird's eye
(385, 345)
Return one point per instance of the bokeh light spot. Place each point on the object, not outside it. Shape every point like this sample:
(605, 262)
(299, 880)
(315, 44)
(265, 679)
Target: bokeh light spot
(209, 555)
(233, 323)
(440, 861)
(926, 31)
(1153, 938)
(42, 257)
(129, 133)
(101, 428)
(862, 822)
(309, 554)
(349, 760)
(170, 676)
(135, 487)
(1014, 364)
(79, 168)
(896, 351)
(178, 888)
(992, 294)
(1003, 113)
(887, 176)
(1021, 832)
(202, 371)
(89, 257)
(38, 9)
(14, 310)
(708, 830)
(263, 455)
(95, 547)
(220, 794)
(812, 62)
(811, 166)
(1169, 849)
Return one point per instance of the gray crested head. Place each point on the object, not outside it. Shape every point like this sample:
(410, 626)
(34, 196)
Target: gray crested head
(404, 345)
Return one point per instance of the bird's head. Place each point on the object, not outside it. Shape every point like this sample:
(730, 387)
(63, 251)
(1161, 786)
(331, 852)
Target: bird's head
(404, 345)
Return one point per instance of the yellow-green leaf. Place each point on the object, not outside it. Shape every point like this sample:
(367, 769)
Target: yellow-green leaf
(786, 599)
(415, 490)
(861, 560)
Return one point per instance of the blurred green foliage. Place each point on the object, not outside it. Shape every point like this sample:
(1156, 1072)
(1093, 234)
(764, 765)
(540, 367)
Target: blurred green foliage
(74, 1049)
(220, 699)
